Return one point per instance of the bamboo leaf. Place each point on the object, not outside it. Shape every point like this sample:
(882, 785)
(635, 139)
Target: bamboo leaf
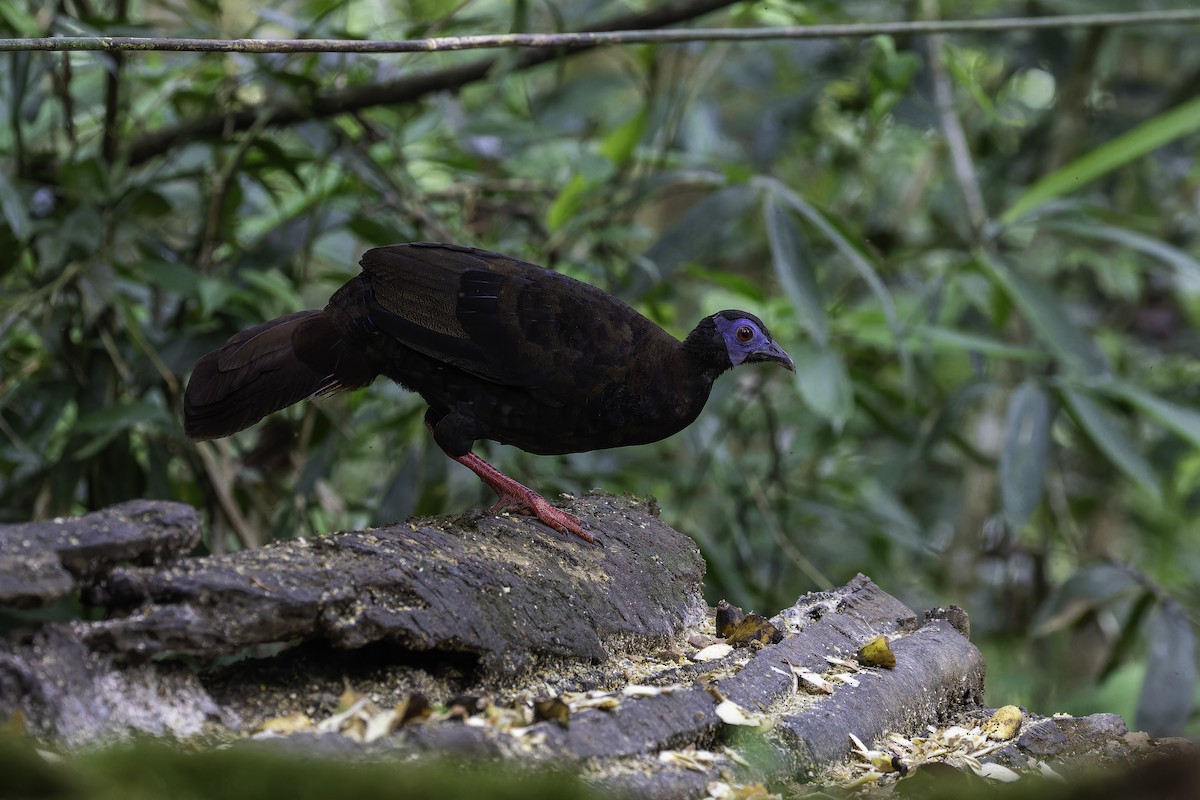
(1179, 419)
(1026, 451)
(1089, 588)
(856, 258)
(845, 247)
(694, 234)
(794, 270)
(274, 284)
(24, 24)
(948, 417)
(1044, 313)
(1173, 257)
(1103, 428)
(12, 208)
(948, 339)
(567, 203)
(619, 145)
(824, 383)
(98, 428)
(1165, 702)
(1148, 136)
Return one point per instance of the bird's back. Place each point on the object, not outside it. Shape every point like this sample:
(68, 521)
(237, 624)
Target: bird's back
(526, 355)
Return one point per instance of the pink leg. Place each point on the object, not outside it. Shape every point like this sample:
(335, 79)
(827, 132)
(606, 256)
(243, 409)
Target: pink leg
(520, 499)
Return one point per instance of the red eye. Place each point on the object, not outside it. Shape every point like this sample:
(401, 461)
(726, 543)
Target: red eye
(745, 334)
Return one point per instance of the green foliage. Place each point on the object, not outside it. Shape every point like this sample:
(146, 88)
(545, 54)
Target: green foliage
(981, 417)
(152, 771)
(1146, 138)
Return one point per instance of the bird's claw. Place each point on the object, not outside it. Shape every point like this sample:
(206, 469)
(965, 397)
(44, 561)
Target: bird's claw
(520, 499)
(537, 506)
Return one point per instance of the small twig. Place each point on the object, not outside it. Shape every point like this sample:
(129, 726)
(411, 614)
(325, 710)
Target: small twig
(404, 89)
(110, 346)
(395, 194)
(789, 547)
(1070, 122)
(595, 38)
(13, 437)
(956, 139)
(221, 188)
(169, 379)
(218, 479)
(112, 94)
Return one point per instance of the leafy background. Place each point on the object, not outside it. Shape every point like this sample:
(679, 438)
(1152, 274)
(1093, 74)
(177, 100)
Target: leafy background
(997, 396)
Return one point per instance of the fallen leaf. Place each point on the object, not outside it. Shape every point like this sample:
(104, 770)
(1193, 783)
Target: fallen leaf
(695, 760)
(877, 653)
(554, 710)
(1004, 724)
(754, 629)
(290, 723)
(813, 682)
(733, 714)
(712, 652)
(728, 618)
(995, 772)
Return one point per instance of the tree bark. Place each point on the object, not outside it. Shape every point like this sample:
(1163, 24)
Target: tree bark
(405, 89)
(485, 619)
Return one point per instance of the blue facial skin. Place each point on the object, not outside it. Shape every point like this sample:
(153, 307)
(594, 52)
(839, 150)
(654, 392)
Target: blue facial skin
(747, 341)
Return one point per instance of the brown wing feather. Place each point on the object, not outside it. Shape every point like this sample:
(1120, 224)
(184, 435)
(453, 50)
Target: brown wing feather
(268, 367)
(500, 318)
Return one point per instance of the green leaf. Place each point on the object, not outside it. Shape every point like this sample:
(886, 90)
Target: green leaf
(1165, 702)
(940, 338)
(732, 282)
(567, 203)
(898, 521)
(24, 24)
(1026, 451)
(1044, 313)
(273, 283)
(794, 270)
(214, 293)
(122, 415)
(1104, 429)
(695, 234)
(1088, 589)
(1173, 257)
(13, 208)
(86, 181)
(378, 232)
(147, 203)
(178, 278)
(824, 384)
(847, 248)
(1179, 419)
(947, 417)
(619, 145)
(856, 258)
(1148, 136)
(1131, 629)
(104, 425)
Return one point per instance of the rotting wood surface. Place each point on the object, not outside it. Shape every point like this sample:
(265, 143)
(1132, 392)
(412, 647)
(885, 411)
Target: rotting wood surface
(499, 608)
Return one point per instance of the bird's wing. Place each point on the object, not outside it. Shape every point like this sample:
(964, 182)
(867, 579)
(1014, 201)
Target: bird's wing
(499, 318)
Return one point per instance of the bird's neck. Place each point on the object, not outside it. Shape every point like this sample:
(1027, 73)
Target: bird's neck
(703, 352)
(700, 360)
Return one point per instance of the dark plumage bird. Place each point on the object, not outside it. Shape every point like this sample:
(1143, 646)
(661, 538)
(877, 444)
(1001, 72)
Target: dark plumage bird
(499, 348)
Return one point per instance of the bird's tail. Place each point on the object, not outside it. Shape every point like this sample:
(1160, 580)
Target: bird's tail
(269, 367)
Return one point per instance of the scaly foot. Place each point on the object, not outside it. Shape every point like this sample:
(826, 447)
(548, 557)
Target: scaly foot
(520, 499)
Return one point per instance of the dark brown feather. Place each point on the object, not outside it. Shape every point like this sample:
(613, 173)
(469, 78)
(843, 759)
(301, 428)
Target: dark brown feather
(542, 361)
(499, 348)
(266, 368)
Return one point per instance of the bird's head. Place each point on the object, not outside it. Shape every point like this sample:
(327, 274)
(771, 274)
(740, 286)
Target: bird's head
(748, 341)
